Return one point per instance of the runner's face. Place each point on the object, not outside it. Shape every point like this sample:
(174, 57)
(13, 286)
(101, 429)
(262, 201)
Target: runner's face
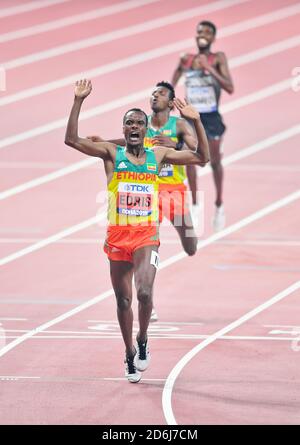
(205, 36)
(160, 100)
(134, 128)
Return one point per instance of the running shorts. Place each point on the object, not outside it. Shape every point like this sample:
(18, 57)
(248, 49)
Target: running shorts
(213, 125)
(121, 242)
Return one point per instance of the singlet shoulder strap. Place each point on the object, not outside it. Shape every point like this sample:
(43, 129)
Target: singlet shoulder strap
(120, 155)
(187, 61)
(211, 58)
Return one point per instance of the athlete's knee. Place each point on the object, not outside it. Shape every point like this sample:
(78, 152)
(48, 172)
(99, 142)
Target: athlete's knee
(215, 163)
(144, 294)
(123, 302)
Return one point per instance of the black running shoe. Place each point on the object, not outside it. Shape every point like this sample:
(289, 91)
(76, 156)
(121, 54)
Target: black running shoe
(131, 372)
(142, 357)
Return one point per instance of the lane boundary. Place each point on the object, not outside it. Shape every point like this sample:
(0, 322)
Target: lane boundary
(171, 379)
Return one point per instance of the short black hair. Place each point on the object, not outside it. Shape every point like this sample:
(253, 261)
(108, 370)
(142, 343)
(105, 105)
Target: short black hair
(210, 24)
(138, 110)
(169, 87)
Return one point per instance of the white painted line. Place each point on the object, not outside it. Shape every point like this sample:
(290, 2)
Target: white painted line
(269, 91)
(158, 337)
(146, 56)
(172, 323)
(52, 239)
(168, 388)
(16, 377)
(49, 177)
(31, 6)
(261, 243)
(13, 319)
(165, 241)
(280, 326)
(125, 379)
(149, 25)
(74, 19)
(235, 227)
(262, 145)
(63, 241)
(33, 165)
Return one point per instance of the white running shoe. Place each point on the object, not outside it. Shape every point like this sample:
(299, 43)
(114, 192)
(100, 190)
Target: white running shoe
(131, 372)
(154, 316)
(219, 218)
(142, 357)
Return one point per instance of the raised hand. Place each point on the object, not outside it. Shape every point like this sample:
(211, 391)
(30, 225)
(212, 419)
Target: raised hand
(187, 111)
(202, 62)
(83, 88)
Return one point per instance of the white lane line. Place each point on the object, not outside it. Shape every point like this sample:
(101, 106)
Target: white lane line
(52, 239)
(33, 165)
(161, 337)
(262, 243)
(13, 319)
(168, 388)
(239, 225)
(17, 377)
(269, 91)
(66, 241)
(48, 177)
(149, 25)
(165, 241)
(74, 19)
(149, 55)
(248, 151)
(31, 6)
(120, 379)
(233, 228)
(158, 324)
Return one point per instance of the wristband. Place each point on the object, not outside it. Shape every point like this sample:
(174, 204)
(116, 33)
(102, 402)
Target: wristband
(179, 145)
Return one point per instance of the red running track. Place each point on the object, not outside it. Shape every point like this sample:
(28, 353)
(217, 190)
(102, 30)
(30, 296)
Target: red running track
(62, 351)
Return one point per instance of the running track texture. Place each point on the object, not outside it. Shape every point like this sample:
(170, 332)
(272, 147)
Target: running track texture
(226, 349)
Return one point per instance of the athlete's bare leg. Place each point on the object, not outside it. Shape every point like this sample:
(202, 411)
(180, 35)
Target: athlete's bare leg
(191, 173)
(121, 277)
(144, 274)
(216, 164)
(187, 234)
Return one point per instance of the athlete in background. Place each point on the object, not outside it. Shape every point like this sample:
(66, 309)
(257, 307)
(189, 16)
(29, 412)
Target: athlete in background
(206, 74)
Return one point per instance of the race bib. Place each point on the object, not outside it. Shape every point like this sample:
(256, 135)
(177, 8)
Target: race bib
(201, 95)
(167, 170)
(135, 199)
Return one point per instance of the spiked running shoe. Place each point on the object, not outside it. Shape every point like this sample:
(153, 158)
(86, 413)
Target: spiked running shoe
(131, 372)
(142, 357)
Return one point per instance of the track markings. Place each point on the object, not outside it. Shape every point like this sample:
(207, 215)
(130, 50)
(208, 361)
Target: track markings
(172, 377)
(231, 229)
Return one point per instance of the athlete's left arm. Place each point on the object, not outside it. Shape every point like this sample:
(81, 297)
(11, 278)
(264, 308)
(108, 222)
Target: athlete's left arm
(222, 73)
(189, 157)
(185, 133)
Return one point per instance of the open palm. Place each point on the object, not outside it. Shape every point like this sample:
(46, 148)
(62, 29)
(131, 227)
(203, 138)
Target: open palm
(186, 110)
(83, 88)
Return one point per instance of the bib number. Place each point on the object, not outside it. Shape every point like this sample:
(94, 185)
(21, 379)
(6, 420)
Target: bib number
(135, 199)
(167, 170)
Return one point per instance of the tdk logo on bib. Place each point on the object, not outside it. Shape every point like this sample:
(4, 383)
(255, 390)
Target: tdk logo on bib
(135, 188)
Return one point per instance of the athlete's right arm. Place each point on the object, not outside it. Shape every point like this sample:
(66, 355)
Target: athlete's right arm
(97, 138)
(103, 150)
(179, 70)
